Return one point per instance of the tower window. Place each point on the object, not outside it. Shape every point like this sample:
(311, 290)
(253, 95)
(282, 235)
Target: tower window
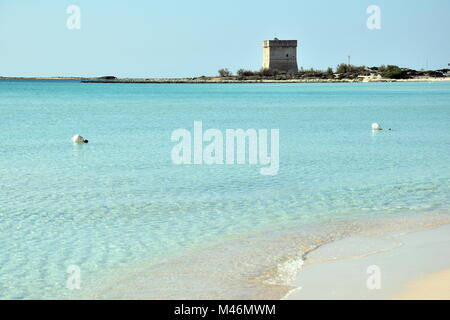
(287, 55)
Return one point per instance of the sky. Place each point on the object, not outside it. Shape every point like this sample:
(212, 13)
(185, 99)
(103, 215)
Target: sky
(153, 38)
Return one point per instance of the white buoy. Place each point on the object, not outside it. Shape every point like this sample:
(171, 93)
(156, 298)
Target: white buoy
(376, 127)
(79, 139)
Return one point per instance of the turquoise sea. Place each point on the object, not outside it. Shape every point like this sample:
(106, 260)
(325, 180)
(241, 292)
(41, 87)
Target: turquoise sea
(139, 226)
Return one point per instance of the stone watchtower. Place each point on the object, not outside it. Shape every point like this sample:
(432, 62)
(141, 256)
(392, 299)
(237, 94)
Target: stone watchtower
(280, 55)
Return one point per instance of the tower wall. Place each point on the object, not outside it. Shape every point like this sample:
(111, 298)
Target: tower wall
(280, 55)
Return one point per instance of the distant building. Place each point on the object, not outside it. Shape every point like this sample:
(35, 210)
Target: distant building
(280, 55)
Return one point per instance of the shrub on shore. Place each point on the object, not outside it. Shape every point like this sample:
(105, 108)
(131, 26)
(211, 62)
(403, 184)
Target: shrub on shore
(394, 72)
(224, 72)
(245, 73)
(344, 68)
(268, 72)
(343, 71)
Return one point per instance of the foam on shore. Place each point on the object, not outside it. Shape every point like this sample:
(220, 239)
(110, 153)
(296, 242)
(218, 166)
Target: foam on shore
(339, 270)
(265, 265)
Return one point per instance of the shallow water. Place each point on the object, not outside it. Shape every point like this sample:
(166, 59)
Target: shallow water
(119, 201)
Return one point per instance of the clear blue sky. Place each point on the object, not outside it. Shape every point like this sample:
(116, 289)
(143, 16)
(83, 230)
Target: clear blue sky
(142, 38)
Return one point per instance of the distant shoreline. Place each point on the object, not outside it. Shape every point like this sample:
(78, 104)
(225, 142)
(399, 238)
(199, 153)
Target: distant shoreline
(220, 80)
(44, 78)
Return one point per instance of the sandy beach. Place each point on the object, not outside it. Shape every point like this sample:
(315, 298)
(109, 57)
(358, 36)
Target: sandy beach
(435, 286)
(410, 266)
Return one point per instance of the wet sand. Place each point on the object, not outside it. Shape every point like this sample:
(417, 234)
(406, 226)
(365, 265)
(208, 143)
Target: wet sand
(406, 266)
(435, 286)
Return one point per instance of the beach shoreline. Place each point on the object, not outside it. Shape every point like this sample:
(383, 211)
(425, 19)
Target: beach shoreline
(434, 286)
(413, 265)
(271, 265)
(218, 80)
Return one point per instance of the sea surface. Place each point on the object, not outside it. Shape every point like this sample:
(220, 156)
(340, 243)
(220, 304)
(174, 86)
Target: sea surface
(138, 226)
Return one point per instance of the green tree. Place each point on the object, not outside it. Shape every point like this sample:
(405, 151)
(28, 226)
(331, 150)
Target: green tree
(245, 73)
(393, 72)
(342, 68)
(224, 72)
